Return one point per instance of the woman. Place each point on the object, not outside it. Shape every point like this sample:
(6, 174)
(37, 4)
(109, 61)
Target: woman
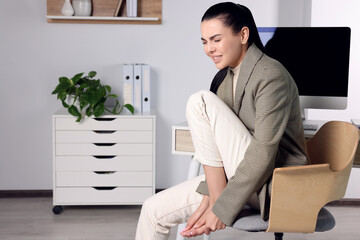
(246, 126)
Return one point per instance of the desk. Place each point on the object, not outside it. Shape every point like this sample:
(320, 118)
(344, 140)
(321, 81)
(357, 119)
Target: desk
(182, 142)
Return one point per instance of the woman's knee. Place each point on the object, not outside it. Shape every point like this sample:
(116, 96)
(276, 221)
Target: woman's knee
(148, 207)
(200, 96)
(198, 99)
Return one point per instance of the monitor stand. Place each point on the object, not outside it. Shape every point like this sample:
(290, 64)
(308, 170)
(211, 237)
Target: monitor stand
(310, 126)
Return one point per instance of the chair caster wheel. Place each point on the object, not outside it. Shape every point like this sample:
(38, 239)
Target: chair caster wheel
(57, 209)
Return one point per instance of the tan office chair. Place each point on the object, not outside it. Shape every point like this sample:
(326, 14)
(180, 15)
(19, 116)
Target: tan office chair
(299, 193)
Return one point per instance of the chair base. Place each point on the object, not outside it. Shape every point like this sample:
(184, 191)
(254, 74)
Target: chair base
(278, 236)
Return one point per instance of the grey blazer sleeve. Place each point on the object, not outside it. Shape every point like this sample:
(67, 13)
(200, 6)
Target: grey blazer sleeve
(271, 117)
(202, 188)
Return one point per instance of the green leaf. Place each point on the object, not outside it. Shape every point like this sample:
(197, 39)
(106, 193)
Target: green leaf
(63, 79)
(74, 111)
(86, 98)
(78, 91)
(76, 78)
(99, 109)
(92, 74)
(91, 84)
(81, 81)
(88, 112)
(116, 107)
(79, 119)
(83, 85)
(83, 104)
(65, 104)
(98, 95)
(62, 96)
(56, 90)
(63, 86)
(130, 108)
(108, 88)
(65, 83)
(112, 95)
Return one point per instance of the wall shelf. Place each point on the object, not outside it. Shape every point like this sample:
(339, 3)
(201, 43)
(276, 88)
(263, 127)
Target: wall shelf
(149, 12)
(95, 19)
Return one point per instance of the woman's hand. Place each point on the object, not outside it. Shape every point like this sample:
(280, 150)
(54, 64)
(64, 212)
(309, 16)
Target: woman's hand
(204, 205)
(209, 222)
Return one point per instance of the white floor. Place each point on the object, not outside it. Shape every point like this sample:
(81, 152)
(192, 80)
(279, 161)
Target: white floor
(32, 219)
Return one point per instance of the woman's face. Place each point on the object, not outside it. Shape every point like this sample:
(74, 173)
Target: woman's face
(223, 46)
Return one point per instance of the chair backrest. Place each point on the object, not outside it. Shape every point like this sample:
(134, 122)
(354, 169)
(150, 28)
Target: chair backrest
(335, 143)
(298, 193)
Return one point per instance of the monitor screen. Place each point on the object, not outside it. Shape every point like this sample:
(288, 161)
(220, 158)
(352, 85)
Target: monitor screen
(318, 60)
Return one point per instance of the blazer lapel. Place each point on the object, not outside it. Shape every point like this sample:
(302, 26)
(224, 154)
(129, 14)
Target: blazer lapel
(252, 56)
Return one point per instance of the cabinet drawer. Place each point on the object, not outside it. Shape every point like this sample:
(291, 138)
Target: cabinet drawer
(89, 196)
(103, 179)
(87, 149)
(104, 136)
(139, 124)
(103, 163)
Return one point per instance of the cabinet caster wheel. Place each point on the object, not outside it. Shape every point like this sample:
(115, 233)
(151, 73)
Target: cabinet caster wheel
(57, 209)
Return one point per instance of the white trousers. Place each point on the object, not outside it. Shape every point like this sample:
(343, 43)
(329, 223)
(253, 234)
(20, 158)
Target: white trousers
(220, 140)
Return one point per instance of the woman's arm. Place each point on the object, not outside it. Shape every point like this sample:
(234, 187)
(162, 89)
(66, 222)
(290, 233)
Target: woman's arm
(216, 181)
(208, 222)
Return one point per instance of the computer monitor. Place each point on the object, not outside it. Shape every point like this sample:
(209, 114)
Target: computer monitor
(318, 60)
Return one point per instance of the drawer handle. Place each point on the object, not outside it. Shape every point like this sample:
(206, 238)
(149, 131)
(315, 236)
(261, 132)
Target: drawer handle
(103, 132)
(104, 156)
(104, 144)
(104, 188)
(104, 119)
(104, 172)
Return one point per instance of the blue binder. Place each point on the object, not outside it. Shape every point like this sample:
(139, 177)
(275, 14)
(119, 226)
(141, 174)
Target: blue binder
(146, 87)
(128, 84)
(138, 88)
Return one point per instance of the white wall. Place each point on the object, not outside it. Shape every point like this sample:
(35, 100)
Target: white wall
(343, 13)
(33, 54)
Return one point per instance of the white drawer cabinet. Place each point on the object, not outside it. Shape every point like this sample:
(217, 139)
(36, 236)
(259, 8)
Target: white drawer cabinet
(108, 160)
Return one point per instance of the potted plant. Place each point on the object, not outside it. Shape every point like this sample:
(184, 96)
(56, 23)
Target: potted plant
(84, 95)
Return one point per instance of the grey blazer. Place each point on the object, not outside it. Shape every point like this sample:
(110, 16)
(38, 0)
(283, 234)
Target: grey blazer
(267, 102)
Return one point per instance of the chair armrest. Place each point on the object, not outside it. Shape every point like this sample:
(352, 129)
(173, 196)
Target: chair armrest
(298, 194)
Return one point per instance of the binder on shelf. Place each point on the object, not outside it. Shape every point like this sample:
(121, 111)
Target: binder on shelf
(131, 8)
(118, 7)
(128, 84)
(146, 99)
(134, 8)
(128, 8)
(137, 88)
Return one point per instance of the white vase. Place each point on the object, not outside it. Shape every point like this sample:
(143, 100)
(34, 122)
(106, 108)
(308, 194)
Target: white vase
(82, 7)
(67, 9)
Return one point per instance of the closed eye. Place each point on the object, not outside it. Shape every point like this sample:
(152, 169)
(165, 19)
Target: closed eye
(203, 41)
